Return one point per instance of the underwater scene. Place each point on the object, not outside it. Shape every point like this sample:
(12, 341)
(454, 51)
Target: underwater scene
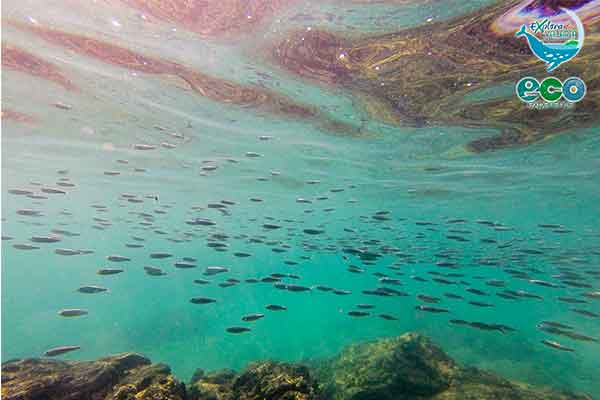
(300, 199)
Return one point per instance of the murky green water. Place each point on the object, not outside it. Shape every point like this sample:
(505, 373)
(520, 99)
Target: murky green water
(408, 175)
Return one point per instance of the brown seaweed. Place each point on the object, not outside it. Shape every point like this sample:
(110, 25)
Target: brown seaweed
(420, 76)
(210, 18)
(216, 89)
(16, 116)
(23, 61)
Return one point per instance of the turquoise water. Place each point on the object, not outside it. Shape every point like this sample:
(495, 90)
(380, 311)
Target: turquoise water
(414, 174)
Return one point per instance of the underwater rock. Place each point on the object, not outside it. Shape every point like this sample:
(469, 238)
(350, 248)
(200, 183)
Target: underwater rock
(264, 380)
(276, 381)
(126, 376)
(407, 367)
(412, 367)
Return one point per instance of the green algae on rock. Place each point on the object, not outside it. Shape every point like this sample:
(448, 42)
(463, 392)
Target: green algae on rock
(408, 364)
(216, 385)
(260, 381)
(411, 367)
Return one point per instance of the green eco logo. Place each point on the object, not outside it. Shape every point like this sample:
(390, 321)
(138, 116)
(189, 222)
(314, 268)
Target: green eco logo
(551, 89)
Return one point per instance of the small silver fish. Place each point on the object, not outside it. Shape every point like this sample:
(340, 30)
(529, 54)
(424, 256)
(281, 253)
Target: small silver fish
(45, 239)
(67, 252)
(275, 307)
(53, 190)
(160, 255)
(117, 258)
(556, 345)
(154, 271)
(60, 350)
(25, 246)
(252, 317)
(202, 300)
(109, 271)
(238, 329)
(184, 265)
(358, 314)
(91, 289)
(141, 146)
(209, 271)
(72, 312)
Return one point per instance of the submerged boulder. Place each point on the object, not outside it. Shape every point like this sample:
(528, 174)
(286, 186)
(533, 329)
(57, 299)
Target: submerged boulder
(126, 376)
(412, 367)
(265, 380)
(409, 365)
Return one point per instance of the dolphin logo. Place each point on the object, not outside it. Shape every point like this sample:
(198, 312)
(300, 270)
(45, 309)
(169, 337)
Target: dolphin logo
(555, 54)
